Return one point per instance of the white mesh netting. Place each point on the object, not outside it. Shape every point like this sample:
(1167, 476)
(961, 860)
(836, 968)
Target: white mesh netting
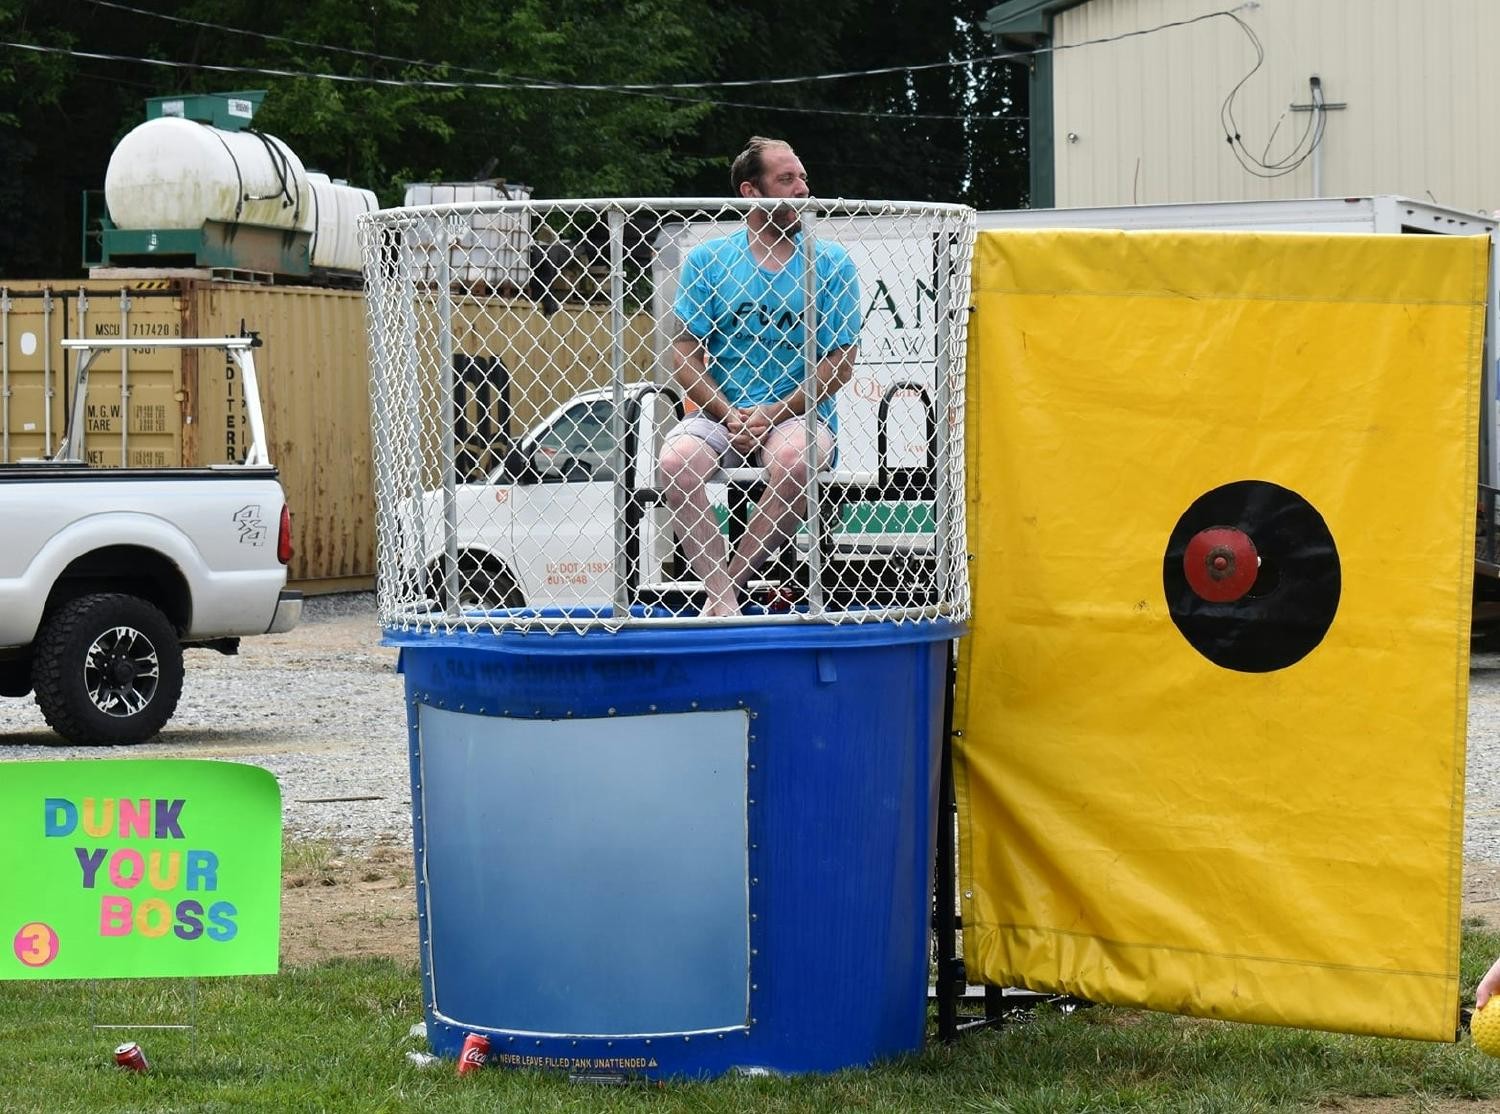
(531, 362)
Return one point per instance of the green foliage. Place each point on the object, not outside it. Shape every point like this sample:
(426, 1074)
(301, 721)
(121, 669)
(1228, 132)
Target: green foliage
(400, 98)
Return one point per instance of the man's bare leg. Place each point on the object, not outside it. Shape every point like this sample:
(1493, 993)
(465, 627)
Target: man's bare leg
(781, 505)
(686, 464)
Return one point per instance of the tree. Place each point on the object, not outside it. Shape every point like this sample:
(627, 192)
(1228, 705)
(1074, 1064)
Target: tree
(358, 101)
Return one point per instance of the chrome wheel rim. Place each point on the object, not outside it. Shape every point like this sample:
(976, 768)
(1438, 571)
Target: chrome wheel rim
(121, 672)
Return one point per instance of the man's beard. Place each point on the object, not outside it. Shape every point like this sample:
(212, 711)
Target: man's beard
(786, 220)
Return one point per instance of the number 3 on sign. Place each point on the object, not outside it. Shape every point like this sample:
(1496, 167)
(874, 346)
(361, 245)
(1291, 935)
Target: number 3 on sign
(36, 944)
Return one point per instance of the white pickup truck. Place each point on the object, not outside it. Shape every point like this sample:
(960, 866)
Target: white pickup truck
(107, 573)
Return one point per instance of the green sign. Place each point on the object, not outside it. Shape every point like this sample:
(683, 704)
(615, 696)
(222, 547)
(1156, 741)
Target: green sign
(139, 868)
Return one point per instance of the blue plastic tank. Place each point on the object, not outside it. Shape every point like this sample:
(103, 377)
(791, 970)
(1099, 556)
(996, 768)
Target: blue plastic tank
(677, 852)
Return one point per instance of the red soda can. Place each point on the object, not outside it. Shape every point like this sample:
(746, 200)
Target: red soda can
(476, 1052)
(130, 1057)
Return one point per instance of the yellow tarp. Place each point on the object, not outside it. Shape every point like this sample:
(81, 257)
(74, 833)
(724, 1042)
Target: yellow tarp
(1140, 825)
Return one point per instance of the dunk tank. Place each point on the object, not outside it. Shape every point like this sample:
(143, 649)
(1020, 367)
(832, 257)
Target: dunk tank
(650, 842)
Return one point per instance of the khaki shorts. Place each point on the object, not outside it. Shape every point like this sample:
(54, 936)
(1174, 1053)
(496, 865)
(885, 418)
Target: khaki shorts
(716, 437)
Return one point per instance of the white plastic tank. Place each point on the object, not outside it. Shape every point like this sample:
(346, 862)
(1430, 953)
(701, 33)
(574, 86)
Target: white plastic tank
(490, 250)
(175, 173)
(336, 205)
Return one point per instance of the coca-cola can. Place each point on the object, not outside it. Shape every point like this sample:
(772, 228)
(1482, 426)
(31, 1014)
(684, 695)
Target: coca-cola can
(130, 1057)
(476, 1052)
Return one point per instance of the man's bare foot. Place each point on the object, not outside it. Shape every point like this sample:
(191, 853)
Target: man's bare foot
(719, 608)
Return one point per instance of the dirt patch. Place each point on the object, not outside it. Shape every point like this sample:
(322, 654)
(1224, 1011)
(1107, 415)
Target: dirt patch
(1482, 892)
(340, 905)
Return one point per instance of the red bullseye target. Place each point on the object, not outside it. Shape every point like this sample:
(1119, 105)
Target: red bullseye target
(1221, 564)
(1251, 576)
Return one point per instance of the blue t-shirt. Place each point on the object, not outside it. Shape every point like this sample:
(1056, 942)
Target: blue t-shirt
(750, 318)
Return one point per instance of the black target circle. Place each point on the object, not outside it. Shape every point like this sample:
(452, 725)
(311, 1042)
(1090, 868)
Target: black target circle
(1251, 576)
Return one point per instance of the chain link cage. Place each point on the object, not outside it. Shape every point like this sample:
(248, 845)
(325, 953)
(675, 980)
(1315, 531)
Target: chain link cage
(531, 363)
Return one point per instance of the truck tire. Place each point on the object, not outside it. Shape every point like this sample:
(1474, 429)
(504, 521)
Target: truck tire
(484, 584)
(107, 670)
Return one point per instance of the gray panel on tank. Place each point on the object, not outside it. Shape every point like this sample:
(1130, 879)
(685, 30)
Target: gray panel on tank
(587, 876)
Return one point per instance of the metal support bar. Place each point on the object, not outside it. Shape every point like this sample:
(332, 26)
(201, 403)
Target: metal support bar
(239, 349)
(72, 446)
(942, 512)
(257, 453)
(815, 601)
(616, 220)
(190, 1025)
(945, 876)
(446, 447)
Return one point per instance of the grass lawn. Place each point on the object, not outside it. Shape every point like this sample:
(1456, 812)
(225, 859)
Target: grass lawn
(332, 1036)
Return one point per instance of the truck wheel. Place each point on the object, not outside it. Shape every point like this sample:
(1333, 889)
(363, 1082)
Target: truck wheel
(483, 584)
(108, 669)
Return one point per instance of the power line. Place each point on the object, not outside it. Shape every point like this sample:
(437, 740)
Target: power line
(651, 90)
(530, 82)
(459, 86)
(624, 87)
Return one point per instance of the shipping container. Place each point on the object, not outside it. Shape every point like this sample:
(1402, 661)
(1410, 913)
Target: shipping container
(157, 407)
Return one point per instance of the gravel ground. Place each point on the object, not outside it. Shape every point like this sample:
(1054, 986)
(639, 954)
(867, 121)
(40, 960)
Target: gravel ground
(1482, 791)
(321, 708)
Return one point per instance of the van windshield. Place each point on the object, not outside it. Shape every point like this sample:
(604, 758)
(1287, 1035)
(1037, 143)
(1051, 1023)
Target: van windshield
(579, 441)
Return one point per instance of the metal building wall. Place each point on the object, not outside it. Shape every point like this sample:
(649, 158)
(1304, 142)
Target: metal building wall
(1137, 120)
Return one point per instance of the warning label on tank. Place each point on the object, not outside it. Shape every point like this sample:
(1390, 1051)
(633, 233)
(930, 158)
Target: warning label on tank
(576, 1063)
